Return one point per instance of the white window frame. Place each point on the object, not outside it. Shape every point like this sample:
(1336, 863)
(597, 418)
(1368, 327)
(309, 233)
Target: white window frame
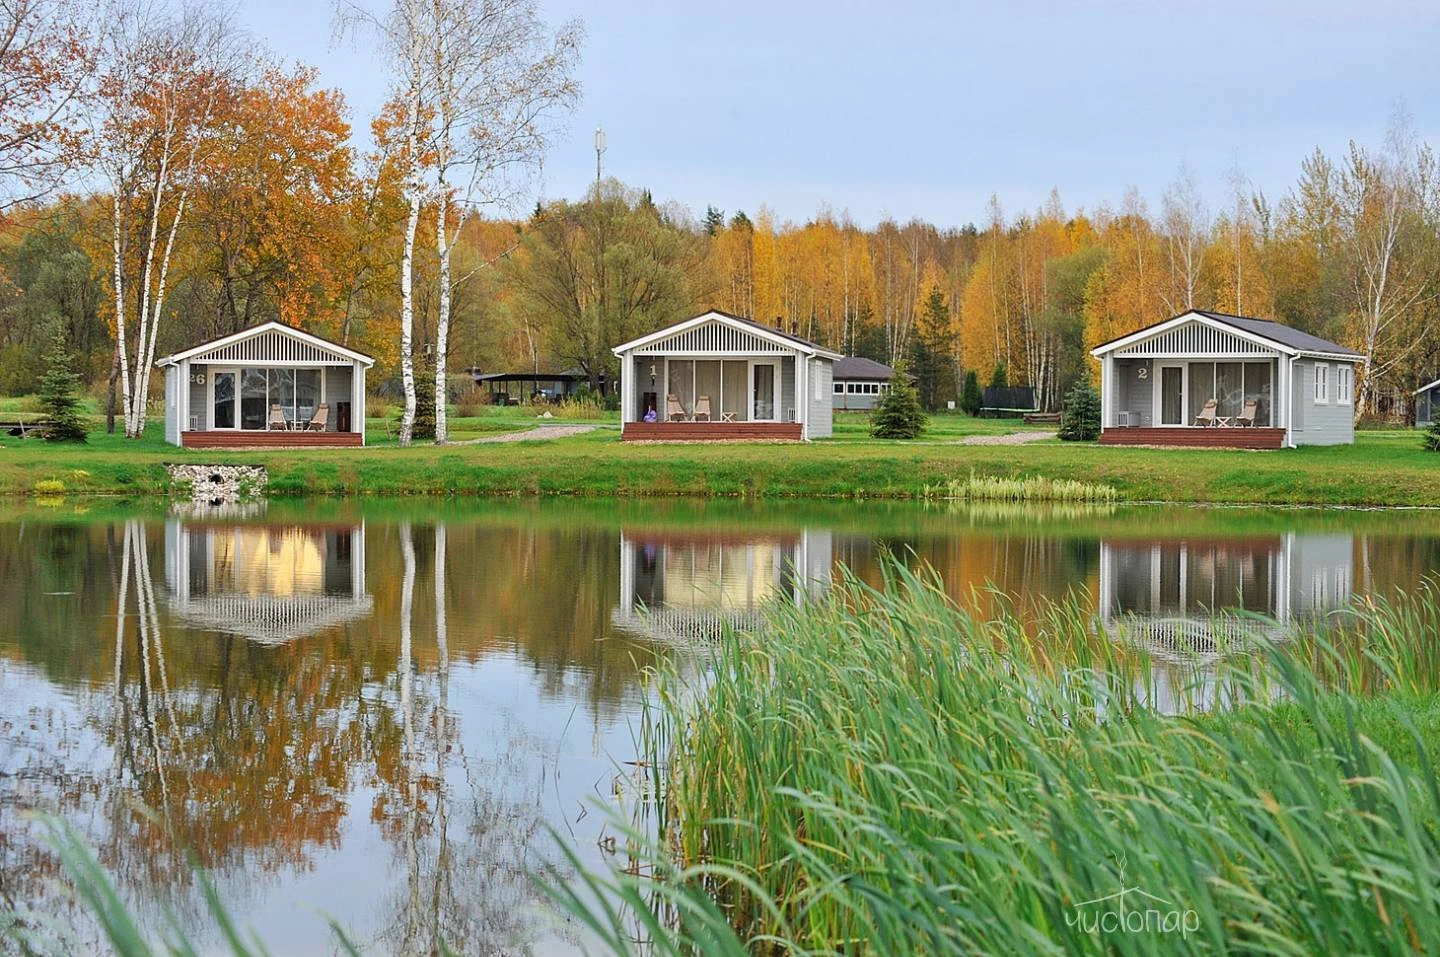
(1321, 380)
(838, 387)
(1344, 384)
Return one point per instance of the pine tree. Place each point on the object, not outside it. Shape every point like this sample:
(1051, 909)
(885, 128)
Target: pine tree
(898, 415)
(971, 399)
(714, 220)
(1080, 420)
(1000, 378)
(58, 388)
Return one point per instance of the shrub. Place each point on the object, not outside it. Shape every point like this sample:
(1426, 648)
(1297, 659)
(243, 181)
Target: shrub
(1432, 437)
(898, 415)
(1080, 417)
(59, 388)
(376, 407)
(971, 398)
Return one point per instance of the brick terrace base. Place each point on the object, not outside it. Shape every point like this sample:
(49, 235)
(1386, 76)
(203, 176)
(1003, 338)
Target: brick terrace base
(1197, 437)
(708, 431)
(255, 439)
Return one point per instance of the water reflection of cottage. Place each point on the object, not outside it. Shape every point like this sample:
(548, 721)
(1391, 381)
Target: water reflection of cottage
(682, 587)
(1193, 593)
(267, 583)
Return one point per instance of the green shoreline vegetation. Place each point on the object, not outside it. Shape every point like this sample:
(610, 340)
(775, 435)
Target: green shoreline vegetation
(1383, 468)
(881, 772)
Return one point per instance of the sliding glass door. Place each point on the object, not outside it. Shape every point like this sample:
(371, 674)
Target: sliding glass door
(222, 398)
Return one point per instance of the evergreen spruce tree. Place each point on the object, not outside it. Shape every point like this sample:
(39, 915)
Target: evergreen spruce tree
(58, 395)
(424, 403)
(971, 398)
(1432, 436)
(898, 414)
(1000, 378)
(1080, 417)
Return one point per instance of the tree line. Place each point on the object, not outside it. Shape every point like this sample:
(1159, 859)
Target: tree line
(165, 180)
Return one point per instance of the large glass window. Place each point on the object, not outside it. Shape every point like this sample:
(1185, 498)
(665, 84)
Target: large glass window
(732, 391)
(254, 408)
(1202, 388)
(224, 412)
(764, 391)
(707, 386)
(682, 384)
(1257, 390)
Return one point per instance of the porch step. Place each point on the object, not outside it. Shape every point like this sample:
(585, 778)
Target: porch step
(709, 431)
(255, 439)
(1213, 438)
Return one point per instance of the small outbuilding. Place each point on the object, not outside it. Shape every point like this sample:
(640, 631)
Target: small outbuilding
(1211, 379)
(720, 376)
(1427, 404)
(270, 385)
(859, 383)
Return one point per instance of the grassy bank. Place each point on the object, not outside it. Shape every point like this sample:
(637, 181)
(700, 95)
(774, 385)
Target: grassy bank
(1382, 468)
(883, 774)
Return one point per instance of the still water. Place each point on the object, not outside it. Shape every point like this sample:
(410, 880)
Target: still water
(385, 714)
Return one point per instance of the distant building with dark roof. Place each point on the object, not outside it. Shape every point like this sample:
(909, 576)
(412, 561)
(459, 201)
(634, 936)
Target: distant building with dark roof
(860, 382)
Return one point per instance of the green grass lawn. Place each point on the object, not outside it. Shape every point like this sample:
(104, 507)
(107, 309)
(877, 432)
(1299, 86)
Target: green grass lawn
(1381, 468)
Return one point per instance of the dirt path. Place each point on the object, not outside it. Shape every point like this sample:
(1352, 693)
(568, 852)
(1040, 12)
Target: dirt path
(539, 432)
(1014, 438)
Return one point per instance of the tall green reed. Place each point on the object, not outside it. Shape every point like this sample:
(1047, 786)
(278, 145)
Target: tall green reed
(884, 773)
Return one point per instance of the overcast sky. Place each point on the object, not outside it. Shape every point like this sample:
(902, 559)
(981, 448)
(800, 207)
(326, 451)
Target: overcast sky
(925, 109)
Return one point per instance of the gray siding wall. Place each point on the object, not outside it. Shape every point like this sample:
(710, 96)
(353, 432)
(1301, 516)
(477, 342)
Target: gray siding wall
(172, 405)
(1328, 423)
(199, 398)
(1134, 394)
(852, 402)
(818, 411)
(337, 389)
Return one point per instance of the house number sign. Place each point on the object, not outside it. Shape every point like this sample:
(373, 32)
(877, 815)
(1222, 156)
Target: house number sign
(198, 378)
(1142, 373)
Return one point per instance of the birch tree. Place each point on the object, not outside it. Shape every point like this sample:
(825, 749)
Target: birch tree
(1383, 202)
(161, 76)
(1187, 228)
(499, 77)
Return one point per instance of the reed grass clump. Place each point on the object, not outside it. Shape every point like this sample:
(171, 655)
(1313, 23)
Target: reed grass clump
(883, 773)
(1036, 488)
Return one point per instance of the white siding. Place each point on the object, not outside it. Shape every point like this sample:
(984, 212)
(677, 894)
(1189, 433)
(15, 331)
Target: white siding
(819, 410)
(1326, 423)
(172, 405)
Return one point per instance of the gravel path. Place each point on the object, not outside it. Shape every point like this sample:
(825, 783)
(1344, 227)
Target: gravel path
(539, 432)
(1014, 438)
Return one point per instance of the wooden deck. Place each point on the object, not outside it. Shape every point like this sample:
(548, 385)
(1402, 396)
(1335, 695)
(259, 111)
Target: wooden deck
(1198, 437)
(255, 439)
(709, 431)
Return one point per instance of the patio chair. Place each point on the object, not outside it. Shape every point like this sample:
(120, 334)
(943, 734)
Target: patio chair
(320, 419)
(1208, 415)
(278, 422)
(674, 411)
(1246, 419)
(702, 407)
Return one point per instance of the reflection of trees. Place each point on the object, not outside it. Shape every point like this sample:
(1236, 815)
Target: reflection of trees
(473, 893)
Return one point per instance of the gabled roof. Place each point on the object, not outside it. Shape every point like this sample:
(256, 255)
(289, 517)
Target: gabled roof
(263, 328)
(1281, 333)
(858, 367)
(739, 322)
(1273, 335)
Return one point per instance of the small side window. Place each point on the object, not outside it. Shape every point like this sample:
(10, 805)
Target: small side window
(1345, 385)
(1322, 384)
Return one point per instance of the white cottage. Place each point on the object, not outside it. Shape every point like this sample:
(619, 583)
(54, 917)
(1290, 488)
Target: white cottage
(718, 376)
(270, 385)
(1211, 379)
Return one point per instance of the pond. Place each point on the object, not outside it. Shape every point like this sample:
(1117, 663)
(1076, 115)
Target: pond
(389, 714)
